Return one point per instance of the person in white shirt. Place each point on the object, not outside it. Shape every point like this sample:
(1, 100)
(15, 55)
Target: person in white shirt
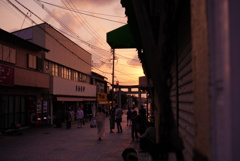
(100, 120)
(80, 117)
(118, 114)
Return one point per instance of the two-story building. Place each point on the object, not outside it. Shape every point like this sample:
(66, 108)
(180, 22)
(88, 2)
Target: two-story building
(69, 67)
(102, 89)
(24, 87)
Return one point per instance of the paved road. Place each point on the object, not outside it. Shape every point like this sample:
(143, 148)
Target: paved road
(60, 144)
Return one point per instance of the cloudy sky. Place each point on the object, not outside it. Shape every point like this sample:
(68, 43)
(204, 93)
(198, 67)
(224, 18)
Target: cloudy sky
(86, 22)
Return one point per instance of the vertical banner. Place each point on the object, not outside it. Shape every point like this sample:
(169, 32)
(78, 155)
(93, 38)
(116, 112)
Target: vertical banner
(45, 112)
(39, 112)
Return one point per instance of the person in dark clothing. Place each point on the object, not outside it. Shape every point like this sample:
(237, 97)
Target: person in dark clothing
(129, 114)
(118, 115)
(148, 138)
(68, 119)
(135, 125)
(129, 154)
(112, 119)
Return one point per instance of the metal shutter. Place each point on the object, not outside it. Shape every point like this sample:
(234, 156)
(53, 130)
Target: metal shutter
(182, 100)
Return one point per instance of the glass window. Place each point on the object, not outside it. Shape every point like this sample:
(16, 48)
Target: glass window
(84, 78)
(88, 79)
(55, 69)
(1, 52)
(32, 61)
(7, 54)
(64, 72)
(80, 77)
(52, 65)
(46, 65)
(68, 73)
(75, 75)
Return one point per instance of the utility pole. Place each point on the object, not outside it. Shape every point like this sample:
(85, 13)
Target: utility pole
(113, 52)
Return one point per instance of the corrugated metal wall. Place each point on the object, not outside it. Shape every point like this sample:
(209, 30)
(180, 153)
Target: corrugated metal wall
(182, 100)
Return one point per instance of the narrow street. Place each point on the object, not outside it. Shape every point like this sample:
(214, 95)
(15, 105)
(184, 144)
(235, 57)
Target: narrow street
(60, 144)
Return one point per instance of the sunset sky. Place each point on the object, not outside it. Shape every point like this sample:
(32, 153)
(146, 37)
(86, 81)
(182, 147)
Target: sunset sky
(86, 22)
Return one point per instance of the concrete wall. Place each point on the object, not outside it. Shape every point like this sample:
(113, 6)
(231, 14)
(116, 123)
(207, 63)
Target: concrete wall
(68, 54)
(24, 77)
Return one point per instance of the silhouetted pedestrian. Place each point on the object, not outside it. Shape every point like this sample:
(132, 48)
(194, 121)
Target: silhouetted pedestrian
(129, 114)
(135, 125)
(68, 119)
(148, 139)
(118, 114)
(112, 119)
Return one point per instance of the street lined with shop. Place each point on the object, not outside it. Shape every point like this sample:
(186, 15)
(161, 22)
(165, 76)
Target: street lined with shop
(60, 144)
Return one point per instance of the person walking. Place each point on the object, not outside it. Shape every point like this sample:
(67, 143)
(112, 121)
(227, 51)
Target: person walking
(118, 114)
(100, 121)
(135, 125)
(80, 117)
(129, 114)
(68, 119)
(72, 113)
(112, 119)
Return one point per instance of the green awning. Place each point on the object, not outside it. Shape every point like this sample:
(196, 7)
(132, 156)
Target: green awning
(120, 38)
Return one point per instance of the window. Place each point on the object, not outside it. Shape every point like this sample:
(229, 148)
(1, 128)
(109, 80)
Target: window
(7, 54)
(46, 65)
(68, 74)
(88, 80)
(54, 69)
(100, 87)
(75, 75)
(84, 78)
(80, 77)
(32, 61)
(65, 73)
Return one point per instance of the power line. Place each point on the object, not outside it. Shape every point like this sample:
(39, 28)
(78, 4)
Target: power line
(62, 24)
(77, 11)
(91, 30)
(49, 33)
(85, 11)
(60, 42)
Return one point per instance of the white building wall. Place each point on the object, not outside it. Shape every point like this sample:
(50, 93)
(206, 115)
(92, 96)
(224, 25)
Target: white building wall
(65, 52)
(72, 88)
(62, 50)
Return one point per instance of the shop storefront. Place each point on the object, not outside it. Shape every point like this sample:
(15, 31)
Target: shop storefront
(67, 94)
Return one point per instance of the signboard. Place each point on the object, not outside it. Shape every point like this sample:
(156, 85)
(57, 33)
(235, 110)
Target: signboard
(101, 96)
(6, 75)
(72, 88)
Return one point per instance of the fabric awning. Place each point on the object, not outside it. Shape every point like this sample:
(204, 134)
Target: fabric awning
(120, 38)
(75, 99)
